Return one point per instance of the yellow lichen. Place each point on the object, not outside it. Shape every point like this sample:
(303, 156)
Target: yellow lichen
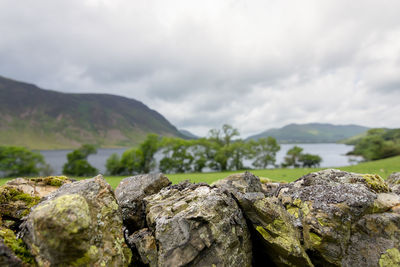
(293, 211)
(390, 258)
(375, 183)
(265, 180)
(315, 239)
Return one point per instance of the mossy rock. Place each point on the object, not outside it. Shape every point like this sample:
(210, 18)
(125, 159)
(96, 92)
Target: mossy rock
(17, 246)
(14, 203)
(375, 183)
(51, 180)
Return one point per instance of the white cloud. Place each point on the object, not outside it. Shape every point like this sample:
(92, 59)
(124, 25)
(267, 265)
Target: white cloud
(253, 64)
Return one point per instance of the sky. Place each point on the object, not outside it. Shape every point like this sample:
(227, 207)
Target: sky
(252, 64)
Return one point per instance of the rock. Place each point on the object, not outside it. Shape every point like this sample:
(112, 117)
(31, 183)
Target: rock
(145, 246)
(79, 224)
(274, 235)
(7, 256)
(327, 218)
(17, 197)
(39, 187)
(394, 182)
(14, 205)
(12, 247)
(130, 194)
(193, 225)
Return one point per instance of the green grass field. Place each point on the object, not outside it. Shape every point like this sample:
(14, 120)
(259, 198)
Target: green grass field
(382, 167)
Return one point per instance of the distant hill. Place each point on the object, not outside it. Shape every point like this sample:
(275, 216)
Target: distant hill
(43, 119)
(312, 133)
(188, 134)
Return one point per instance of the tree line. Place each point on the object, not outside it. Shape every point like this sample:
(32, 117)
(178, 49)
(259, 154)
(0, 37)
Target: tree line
(221, 150)
(378, 143)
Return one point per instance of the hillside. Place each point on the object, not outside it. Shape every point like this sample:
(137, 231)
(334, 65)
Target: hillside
(188, 134)
(312, 133)
(43, 119)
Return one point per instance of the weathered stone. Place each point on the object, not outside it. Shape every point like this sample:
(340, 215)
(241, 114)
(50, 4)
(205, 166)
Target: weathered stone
(80, 224)
(275, 236)
(394, 182)
(130, 194)
(39, 187)
(146, 247)
(324, 218)
(194, 225)
(17, 197)
(14, 205)
(7, 256)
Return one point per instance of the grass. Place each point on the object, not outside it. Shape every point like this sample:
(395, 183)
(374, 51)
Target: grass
(382, 167)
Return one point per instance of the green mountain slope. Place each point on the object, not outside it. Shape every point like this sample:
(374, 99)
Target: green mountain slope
(312, 133)
(188, 134)
(43, 119)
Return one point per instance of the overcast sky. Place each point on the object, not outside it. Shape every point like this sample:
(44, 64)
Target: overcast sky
(252, 64)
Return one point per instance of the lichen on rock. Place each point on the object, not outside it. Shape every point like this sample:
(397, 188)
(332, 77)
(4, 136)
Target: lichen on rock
(193, 225)
(88, 223)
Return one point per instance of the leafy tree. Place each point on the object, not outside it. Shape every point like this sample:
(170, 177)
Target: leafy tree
(135, 160)
(19, 161)
(292, 157)
(378, 144)
(148, 149)
(113, 165)
(310, 160)
(132, 162)
(220, 147)
(240, 151)
(77, 164)
(264, 151)
(201, 154)
(229, 133)
(177, 157)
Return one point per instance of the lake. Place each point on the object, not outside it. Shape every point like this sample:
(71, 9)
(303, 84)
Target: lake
(333, 155)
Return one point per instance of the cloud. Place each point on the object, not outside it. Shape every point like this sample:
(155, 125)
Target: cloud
(255, 65)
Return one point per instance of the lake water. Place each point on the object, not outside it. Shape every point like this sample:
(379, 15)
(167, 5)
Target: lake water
(333, 155)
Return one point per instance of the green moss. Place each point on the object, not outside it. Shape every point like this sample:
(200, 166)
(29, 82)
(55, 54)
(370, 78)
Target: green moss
(265, 180)
(17, 246)
(51, 180)
(376, 183)
(9, 195)
(390, 258)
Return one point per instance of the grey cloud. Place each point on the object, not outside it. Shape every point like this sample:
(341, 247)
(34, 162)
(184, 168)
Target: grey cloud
(254, 65)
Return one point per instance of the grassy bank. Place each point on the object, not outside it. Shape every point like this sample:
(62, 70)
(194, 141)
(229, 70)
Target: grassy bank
(382, 167)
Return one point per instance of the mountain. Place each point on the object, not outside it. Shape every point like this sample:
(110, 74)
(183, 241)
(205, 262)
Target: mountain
(43, 119)
(188, 134)
(312, 133)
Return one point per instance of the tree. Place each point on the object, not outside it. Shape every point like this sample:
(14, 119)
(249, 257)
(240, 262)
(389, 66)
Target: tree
(292, 157)
(135, 160)
(239, 151)
(148, 149)
(310, 160)
(264, 151)
(177, 157)
(220, 147)
(378, 144)
(113, 165)
(19, 161)
(131, 162)
(77, 164)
